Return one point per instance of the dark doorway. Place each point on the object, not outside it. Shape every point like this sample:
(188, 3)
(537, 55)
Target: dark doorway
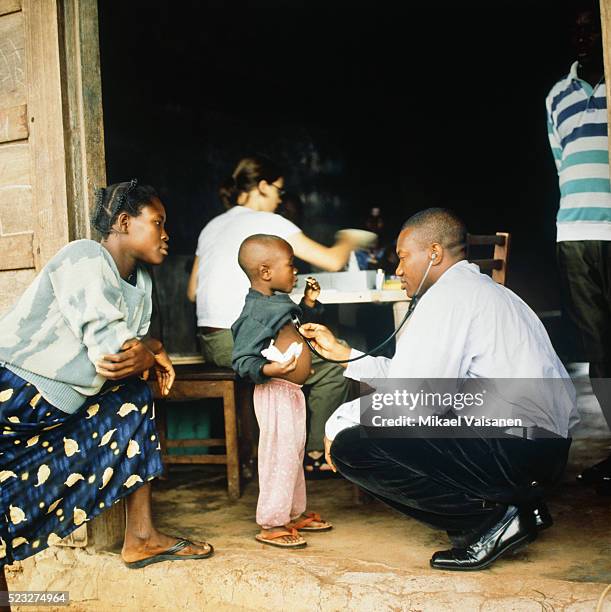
(397, 105)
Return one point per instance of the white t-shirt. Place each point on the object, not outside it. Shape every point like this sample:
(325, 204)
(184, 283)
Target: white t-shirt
(221, 283)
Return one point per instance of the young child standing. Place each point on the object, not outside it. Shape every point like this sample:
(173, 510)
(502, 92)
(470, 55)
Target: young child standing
(278, 400)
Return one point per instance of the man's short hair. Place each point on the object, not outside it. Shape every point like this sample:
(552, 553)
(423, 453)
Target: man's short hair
(440, 225)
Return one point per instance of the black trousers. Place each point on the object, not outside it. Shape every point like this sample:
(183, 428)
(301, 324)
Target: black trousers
(452, 484)
(585, 277)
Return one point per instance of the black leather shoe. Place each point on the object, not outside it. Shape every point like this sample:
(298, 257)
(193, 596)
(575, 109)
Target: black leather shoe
(543, 519)
(596, 473)
(512, 531)
(603, 486)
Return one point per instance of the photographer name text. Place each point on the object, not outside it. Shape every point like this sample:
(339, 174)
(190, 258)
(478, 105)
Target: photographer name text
(436, 421)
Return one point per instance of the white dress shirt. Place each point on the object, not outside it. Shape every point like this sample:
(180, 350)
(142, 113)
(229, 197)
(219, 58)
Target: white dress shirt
(468, 326)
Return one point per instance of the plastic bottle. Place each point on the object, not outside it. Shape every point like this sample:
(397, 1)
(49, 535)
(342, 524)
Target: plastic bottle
(380, 279)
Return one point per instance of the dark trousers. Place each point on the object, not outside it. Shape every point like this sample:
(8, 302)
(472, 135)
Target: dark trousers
(451, 484)
(585, 275)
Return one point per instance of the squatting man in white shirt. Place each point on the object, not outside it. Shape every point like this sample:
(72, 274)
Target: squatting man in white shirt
(487, 492)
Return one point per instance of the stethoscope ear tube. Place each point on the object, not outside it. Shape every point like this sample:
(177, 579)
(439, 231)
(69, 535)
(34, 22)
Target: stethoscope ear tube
(408, 314)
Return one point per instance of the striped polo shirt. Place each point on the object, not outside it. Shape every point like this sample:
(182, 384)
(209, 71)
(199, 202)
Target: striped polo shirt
(577, 129)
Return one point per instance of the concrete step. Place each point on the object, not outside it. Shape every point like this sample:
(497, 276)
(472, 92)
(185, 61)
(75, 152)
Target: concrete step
(281, 580)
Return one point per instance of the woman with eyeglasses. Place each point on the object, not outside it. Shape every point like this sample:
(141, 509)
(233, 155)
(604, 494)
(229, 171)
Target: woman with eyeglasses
(217, 284)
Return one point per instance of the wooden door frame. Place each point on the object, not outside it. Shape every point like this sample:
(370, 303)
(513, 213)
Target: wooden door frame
(83, 112)
(67, 154)
(85, 169)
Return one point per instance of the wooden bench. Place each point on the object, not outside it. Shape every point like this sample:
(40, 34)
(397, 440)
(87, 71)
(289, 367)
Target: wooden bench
(203, 381)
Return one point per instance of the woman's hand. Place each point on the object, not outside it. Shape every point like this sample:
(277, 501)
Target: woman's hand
(325, 342)
(275, 369)
(164, 371)
(134, 359)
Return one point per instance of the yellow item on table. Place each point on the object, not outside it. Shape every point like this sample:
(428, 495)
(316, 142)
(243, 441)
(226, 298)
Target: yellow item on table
(392, 283)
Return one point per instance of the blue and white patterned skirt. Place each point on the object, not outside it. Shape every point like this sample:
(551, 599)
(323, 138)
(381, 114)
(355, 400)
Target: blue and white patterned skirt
(58, 470)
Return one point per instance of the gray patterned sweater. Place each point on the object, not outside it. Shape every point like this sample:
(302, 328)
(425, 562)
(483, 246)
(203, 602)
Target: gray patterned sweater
(77, 309)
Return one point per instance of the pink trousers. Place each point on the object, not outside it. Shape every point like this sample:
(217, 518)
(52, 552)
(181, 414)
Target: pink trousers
(281, 414)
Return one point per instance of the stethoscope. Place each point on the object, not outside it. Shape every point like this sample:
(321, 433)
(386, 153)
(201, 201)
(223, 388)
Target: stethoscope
(408, 314)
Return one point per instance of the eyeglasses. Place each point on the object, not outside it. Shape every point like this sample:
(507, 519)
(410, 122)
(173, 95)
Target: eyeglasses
(281, 192)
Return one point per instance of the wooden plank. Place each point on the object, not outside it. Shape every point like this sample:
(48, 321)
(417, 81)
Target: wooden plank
(183, 359)
(487, 264)
(605, 20)
(191, 443)
(16, 250)
(48, 163)
(231, 443)
(216, 459)
(13, 123)
(9, 6)
(12, 285)
(193, 389)
(14, 165)
(15, 188)
(106, 531)
(84, 132)
(12, 61)
(16, 213)
(501, 252)
(485, 239)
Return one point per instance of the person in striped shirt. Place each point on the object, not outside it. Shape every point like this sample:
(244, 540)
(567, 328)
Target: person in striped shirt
(577, 129)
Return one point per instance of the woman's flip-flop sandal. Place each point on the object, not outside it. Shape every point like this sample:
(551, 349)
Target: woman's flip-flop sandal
(305, 523)
(270, 538)
(171, 555)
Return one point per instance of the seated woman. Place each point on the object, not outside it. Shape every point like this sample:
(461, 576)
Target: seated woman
(76, 415)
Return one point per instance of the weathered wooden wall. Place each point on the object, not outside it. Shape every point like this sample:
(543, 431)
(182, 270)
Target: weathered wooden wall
(17, 216)
(51, 132)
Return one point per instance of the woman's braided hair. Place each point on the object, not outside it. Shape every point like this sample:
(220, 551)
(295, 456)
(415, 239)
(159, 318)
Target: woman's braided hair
(126, 197)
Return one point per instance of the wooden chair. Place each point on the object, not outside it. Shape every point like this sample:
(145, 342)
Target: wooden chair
(202, 381)
(498, 264)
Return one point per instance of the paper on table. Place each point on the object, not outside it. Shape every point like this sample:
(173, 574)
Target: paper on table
(272, 353)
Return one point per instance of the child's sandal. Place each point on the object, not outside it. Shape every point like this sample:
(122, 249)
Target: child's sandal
(305, 523)
(269, 538)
